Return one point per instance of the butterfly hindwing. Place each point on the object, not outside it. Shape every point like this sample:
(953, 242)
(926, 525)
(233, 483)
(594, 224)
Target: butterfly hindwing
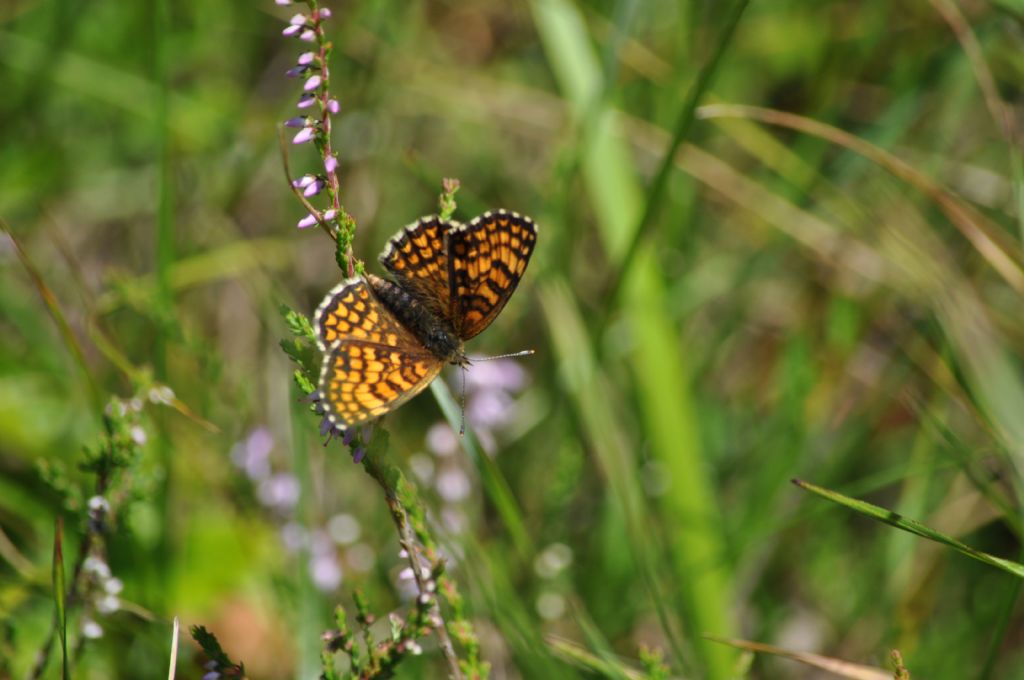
(486, 260)
(361, 380)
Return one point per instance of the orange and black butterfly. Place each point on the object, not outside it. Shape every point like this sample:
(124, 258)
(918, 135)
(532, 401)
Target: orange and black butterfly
(384, 341)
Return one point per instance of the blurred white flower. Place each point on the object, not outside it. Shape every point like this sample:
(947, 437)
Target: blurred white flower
(552, 560)
(294, 537)
(550, 606)
(97, 567)
(453, 485)
(138, 435)
(325, 572)
(91, 629)
(361, 557)
(280, 491)
(441, 440)
(344, 529)
(252, 455)
(108, 604)
(422, 466)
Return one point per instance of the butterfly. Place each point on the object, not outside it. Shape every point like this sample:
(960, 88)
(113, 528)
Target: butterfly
(384, 340)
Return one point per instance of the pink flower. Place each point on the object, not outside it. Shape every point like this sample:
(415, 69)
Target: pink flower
(314, 188)
(312, 83)
(307, 221)
(303, 136)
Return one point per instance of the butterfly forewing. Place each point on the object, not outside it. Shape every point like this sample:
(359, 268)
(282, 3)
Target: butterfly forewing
(373, 364)
(351, 311)
(486, 260)
(416, 258)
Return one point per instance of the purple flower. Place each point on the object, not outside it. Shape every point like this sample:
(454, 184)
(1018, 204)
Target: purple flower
(313, 83)
(291, 30)
(298, 20)
(314, 188)
(331, 164)
(297, 122)
(307, 221)
(280, 491)
(253, 455)
(503, 374)
(282, 2)
(328, 216)
(490, 408)
(306, 100)
(296, 71)
(306, 58)
(308, 35)
(325, 572)
(303, 181)
(303, 136)
(325, 13)
(333, 106)
(441, 440)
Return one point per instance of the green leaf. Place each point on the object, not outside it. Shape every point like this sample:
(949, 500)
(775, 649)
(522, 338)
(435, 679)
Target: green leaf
(211, 647)
(298, 324)
(304, 383)
(912, 526)
(303, 355)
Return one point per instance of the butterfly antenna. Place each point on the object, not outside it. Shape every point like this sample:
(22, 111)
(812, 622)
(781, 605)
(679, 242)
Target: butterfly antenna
(462, 405)
(524, 353)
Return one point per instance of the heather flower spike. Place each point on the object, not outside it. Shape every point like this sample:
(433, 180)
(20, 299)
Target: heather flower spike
(315, 99)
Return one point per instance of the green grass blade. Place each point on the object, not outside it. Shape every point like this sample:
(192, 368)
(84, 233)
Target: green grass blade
(912, 526)
(173, 666)
(494, 482)
(682, 130)
(694, 534)
(60, 595)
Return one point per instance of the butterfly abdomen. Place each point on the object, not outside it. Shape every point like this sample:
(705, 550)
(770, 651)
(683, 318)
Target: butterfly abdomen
(433, 331)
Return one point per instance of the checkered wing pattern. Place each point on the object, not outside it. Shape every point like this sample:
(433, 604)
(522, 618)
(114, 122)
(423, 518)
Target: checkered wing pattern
(486, 259)
(372, 363)
(417, 259)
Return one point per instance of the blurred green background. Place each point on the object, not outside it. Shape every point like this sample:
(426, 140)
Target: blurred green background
(792, 308)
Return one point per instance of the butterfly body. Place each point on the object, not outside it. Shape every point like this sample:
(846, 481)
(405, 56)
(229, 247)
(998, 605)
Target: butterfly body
(385, 341)
(434, 332)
